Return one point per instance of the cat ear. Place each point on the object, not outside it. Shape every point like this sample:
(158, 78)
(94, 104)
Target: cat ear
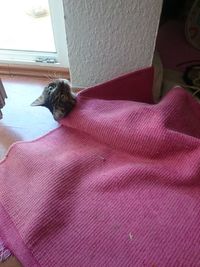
(40, 101)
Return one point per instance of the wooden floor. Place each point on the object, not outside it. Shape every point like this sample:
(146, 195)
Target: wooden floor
(20, 120)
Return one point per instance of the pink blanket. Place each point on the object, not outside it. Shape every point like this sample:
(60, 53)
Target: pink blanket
(118, 184)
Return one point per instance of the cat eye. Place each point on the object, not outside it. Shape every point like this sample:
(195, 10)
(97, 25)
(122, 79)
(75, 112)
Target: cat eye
(52, 86)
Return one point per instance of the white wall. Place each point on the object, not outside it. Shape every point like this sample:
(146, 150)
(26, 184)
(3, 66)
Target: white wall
(108, 38)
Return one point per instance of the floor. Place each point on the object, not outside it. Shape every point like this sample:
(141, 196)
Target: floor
(20, 120)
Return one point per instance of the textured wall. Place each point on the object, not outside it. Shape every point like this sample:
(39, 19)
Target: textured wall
(107, 38)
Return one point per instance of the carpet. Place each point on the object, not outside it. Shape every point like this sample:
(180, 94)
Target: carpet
(118, 184)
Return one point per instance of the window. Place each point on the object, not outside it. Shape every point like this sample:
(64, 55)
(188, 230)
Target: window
(33, 33)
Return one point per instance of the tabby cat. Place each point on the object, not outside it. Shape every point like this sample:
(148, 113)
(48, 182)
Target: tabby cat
(58, 97)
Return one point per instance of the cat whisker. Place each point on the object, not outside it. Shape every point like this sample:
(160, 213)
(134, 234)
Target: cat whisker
(50, 79)
(56, 75)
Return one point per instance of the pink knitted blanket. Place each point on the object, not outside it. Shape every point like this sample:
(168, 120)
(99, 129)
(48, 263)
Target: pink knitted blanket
(118, 184)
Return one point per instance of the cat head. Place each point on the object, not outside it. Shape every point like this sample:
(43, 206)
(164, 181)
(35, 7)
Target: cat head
(58, 97)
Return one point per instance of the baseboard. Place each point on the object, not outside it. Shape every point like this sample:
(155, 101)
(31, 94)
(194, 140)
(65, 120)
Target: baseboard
(34, 71)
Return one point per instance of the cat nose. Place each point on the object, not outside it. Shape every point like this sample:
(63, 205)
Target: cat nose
(58, 115)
